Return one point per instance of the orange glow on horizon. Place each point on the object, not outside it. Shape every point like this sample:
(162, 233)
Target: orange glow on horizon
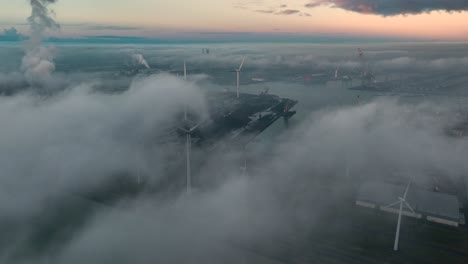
(159, 18)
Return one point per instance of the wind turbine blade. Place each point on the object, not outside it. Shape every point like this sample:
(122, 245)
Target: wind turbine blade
(409, 206)
(406, 191)
(183, 129)
(238, 78)
(188, 149)
(242, 63)
(397, 233)
(392, 204)
(195, 127)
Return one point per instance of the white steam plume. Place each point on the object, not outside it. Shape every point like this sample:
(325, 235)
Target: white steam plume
(138, 58)
(38, 64)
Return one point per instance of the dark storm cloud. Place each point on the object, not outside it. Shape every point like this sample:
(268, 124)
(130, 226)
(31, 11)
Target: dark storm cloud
(394, 7)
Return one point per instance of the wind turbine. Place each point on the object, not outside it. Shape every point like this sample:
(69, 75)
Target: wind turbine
(401, 201)
(188, 143)
(188, 149)
(185, 79)
(238, 71)
(243, 168)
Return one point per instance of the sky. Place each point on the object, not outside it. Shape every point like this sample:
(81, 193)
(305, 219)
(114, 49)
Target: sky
(433, 19)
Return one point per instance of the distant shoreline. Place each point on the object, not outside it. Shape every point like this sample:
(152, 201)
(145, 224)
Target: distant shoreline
(248, 39)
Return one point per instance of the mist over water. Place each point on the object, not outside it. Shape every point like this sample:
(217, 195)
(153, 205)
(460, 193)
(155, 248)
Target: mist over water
(106, 119)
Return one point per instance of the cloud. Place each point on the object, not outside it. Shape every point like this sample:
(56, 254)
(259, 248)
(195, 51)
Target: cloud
(203, 228)
(374, 140)
(265, 11)
(439, 64)
(277, 8)
(74, 141)
(11, 34)
(288, 12)
(111, 27)
(312, 5)
(394, 7)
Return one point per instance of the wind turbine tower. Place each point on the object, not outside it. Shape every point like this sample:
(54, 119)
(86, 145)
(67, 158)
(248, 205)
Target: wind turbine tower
(188, 143)
(401, 201)
(185, 79)
(188, 150)
(238, 71)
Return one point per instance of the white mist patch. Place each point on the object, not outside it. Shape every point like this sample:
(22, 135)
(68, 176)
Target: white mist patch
(80, 138)
(201, 228)
(205, 226)
(377, 138)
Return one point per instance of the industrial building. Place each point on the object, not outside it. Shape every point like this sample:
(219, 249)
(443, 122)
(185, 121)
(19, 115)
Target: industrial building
(435, 207)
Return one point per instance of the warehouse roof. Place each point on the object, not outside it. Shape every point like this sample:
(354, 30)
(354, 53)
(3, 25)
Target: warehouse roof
(424, 202)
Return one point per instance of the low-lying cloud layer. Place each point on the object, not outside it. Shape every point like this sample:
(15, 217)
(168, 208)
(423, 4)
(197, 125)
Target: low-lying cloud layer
(79, 139)
(78, 135)
(269, 62)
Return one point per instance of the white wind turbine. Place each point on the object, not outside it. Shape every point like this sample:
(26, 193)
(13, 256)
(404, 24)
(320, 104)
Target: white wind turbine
(188, 143)
(238, 71)
(402, 201)
(188, 148)
(185, 79)
(244, 168)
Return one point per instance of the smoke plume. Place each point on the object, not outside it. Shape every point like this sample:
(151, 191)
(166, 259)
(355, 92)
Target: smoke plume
(138, 58)
(38, 63)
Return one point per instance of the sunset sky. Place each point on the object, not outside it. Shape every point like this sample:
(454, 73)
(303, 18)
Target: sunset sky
(425, 19)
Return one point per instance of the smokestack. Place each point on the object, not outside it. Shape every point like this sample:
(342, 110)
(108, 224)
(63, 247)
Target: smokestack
(38, 64)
